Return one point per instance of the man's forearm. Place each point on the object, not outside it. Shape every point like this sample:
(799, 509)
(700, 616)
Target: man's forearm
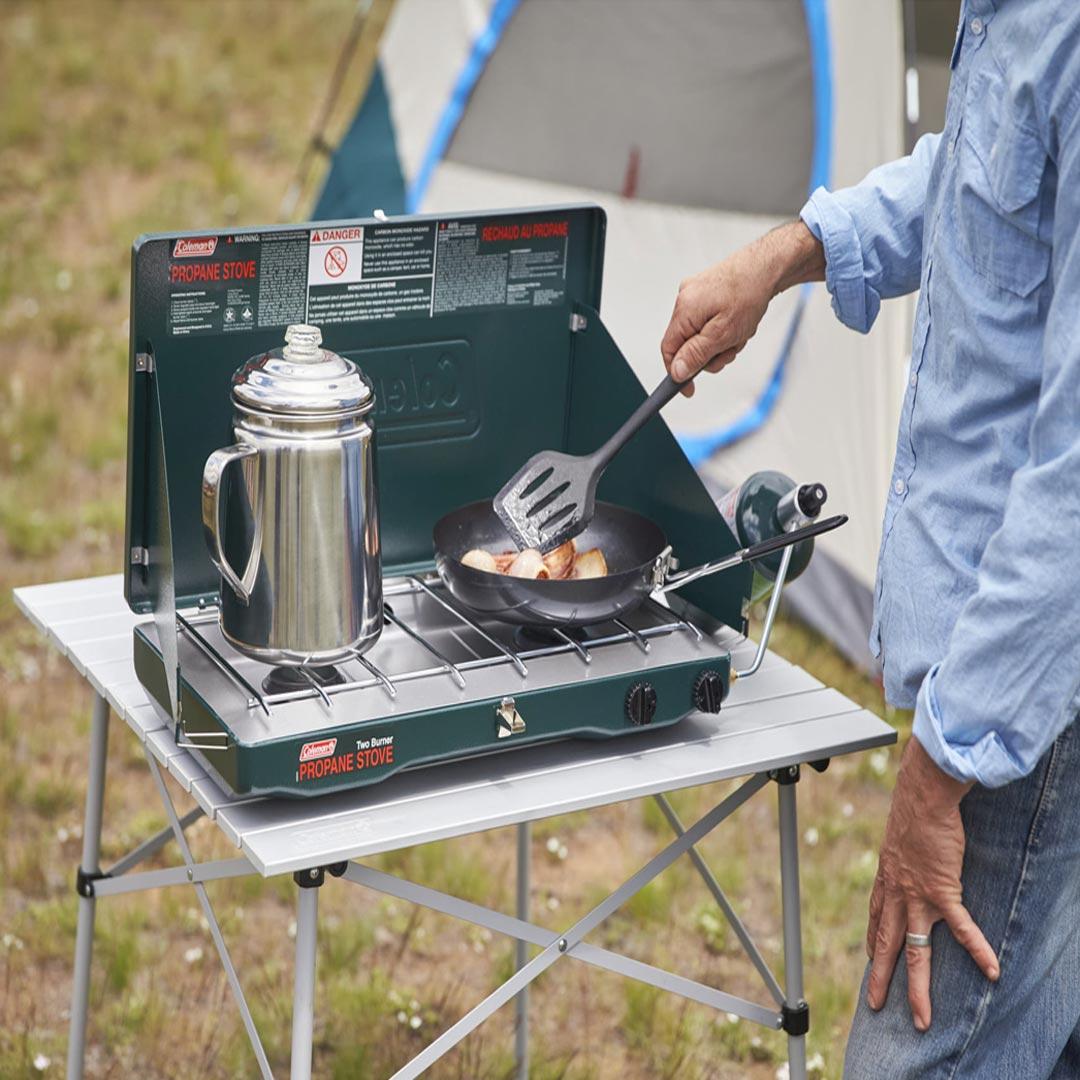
(793, 254)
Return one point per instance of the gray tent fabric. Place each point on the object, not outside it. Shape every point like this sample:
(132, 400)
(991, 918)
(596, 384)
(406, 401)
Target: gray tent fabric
(692, 123)
(686, 103)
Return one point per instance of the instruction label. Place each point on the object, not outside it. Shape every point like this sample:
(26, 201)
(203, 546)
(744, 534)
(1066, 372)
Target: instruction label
(235, 283)
(511, 262)
(346, 274)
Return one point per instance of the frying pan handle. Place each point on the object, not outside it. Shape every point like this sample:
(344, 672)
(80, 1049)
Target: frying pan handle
(637, 419)
(755, 551)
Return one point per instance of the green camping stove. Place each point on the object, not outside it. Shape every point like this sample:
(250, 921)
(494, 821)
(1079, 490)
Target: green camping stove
(481, 337)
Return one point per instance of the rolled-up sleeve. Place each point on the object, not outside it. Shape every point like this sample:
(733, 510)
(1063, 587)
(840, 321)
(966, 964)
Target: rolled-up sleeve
(1009, 681)
(873, 234)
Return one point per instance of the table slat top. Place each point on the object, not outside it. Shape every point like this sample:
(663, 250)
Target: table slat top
(780, 716)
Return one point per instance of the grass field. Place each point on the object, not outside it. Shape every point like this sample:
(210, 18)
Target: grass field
(127, 117)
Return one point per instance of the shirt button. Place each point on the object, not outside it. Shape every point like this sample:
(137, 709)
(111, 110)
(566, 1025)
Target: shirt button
(951, 147)
(899, 486)
(976, 26)
(913, 380)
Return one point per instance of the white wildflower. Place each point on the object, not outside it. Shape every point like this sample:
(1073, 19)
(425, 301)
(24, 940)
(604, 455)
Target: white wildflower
(811, 836)
(402, 1017)
(291, 931)
(879, 761)
(847, 810)
(193, 955)
(553, 845)
(415, 1022)
(41, 1062)
(63, 280)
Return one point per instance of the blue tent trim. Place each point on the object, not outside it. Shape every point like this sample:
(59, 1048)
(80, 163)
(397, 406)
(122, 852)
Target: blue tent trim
(482, 48)
(699, 448)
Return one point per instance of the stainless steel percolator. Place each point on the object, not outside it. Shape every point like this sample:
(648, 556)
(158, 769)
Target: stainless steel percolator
(295, 532)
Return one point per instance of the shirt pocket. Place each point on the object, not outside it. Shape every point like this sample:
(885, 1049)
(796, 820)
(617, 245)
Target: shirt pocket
(999, 188)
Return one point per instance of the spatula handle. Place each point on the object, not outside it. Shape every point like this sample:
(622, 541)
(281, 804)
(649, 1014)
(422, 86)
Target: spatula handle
(637, 420)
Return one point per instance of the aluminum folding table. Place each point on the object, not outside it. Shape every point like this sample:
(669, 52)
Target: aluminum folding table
(771, 724)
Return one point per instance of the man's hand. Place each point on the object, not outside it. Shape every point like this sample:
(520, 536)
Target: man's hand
(717, 311)
(918, 882)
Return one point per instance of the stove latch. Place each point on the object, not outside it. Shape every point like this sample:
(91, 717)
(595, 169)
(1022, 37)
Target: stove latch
(508, 721)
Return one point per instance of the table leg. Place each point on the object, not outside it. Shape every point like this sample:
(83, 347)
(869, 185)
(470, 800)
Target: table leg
(789, 892)
(307, 914)
(90, 865)
(521, 952)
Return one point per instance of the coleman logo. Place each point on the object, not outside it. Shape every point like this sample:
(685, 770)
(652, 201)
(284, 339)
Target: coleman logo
(312, 750)
(191, 247)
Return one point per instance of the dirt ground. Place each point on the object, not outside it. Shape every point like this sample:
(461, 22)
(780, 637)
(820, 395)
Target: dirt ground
(120, 118)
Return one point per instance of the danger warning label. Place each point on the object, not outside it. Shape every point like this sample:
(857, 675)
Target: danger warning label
(335, 256)
(344, 274)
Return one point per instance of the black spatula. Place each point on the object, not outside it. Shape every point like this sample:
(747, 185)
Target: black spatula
(551, 498)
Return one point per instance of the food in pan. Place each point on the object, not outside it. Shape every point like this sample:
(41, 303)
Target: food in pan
(479, 559)
(562, 563)
(590, 564)
(528, 564)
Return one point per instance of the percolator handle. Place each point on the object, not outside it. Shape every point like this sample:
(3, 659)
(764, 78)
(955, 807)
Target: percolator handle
(213, 471)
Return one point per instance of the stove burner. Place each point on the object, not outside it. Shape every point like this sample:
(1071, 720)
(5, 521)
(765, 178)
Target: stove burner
(287, 680)
(542, 636)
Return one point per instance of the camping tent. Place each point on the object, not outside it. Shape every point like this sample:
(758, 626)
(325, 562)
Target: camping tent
(697, 126)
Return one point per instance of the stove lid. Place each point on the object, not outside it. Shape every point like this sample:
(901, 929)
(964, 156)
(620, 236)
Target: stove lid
(302, 379)
(479, 336)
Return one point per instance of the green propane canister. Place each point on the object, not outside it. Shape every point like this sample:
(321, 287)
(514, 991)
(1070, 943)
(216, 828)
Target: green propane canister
(765, 505)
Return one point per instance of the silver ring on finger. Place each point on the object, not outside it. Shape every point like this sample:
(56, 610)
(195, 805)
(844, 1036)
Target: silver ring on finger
(920, 941)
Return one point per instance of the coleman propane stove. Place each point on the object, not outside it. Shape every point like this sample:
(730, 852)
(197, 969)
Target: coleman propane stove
(481, 338)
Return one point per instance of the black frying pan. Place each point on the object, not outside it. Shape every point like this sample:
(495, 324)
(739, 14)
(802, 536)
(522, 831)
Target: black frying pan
(632, 546)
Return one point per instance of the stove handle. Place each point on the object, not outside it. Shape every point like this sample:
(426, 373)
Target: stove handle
(213, 471)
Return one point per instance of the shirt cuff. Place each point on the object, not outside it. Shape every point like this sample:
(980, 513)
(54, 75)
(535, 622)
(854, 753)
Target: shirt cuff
(985, 761)
(855, 304)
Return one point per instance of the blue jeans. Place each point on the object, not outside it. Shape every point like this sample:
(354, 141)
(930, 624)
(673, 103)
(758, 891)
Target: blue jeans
(1022, 886)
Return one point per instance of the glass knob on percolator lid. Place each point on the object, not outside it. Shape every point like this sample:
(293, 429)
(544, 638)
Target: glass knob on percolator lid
(302, 344)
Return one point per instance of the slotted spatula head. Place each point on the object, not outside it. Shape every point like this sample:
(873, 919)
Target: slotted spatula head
(551, 498)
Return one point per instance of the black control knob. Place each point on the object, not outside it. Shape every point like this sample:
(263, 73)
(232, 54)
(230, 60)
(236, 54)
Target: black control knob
(708, 693)
(641, 704)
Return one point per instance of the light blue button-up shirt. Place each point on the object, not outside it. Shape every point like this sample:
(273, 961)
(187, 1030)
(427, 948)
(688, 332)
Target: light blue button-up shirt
(977, 613)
